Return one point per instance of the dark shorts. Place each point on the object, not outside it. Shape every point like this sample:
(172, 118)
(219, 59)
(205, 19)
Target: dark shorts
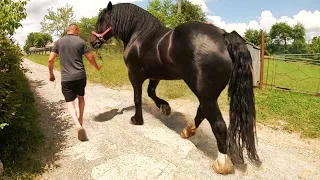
(72, 89)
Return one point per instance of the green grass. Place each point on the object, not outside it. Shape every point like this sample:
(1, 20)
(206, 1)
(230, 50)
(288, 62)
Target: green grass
(293, 111)
(296, 112)
(293, 75)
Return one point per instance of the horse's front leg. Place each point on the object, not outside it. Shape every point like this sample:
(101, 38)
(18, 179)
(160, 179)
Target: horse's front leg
(162, 104)
(136, 80)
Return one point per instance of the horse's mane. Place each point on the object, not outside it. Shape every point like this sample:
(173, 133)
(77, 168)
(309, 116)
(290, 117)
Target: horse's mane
(127, 19)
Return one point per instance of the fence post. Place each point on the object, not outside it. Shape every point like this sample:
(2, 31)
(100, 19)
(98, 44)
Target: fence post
(261, 59)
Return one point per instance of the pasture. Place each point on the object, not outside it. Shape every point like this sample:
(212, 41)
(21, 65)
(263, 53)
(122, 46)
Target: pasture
(298, 75)
(293, 112)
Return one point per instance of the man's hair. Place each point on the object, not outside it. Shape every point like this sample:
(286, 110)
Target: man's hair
(72, 27)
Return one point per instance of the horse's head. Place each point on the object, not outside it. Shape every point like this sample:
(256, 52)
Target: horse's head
(103, 30)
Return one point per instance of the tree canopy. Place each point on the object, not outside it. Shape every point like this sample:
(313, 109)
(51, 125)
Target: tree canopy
(12, 12)
(166, 12)
(56, 22)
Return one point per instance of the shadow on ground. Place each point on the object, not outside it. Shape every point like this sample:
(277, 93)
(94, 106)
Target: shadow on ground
(54, 127)
(203, 140)
(107, 116)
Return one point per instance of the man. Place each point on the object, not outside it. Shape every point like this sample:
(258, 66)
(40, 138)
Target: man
(73, 76)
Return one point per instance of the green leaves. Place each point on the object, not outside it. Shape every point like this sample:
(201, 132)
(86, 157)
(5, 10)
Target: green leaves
(166, 12)
(3, 125)
(36, 39)
(56, 22)
(281, 32)
(315, 45)
(11, 13)
(253, 36)
(87, 25)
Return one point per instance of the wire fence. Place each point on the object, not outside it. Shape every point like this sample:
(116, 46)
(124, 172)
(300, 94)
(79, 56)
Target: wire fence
(294, 72)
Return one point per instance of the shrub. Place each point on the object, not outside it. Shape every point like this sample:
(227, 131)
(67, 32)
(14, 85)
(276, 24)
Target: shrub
(17, 105)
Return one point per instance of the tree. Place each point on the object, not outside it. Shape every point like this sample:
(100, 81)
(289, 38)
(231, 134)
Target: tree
(12, 12)
(315, 45)
(253, 36)
(299, 32)
(298, 47)
(189, 12)
(167, 12)
(36, 39)
(299, 44)
(41, 39)
(281, 33)
(161, 10)
(86, 26)
(57, 22)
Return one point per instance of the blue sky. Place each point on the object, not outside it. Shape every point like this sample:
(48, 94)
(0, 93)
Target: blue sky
(236, 11)
(246, 10)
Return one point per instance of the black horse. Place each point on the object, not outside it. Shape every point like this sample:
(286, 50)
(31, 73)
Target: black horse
(206, 57)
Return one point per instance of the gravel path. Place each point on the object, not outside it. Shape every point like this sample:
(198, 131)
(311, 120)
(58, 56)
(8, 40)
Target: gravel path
(119, 150)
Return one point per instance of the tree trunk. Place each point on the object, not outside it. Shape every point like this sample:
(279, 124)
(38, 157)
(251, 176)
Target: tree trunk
(179, 6)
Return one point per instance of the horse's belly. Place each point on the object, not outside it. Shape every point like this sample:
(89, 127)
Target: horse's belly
(165, 73)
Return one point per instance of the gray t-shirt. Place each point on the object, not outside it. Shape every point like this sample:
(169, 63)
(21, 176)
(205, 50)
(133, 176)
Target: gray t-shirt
(70, 49)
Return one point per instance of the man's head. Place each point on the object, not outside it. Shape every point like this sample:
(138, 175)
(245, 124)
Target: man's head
(73, 29)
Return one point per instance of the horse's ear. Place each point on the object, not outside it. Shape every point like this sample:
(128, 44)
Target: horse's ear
(109, 6)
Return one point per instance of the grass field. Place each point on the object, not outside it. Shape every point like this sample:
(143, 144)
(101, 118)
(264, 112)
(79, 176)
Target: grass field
(292, 111)
(293, 75)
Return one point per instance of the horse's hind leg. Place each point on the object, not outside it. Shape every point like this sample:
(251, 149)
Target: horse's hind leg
(222, 164)
(190, 130)
(162, 104)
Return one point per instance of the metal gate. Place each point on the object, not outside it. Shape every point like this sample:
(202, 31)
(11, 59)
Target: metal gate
(294, 72)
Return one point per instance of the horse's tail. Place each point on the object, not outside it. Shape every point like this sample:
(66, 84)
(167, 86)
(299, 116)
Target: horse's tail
(241, 131)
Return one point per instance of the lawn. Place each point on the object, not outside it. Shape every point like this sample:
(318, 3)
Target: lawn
(294, 112)
(297, 76)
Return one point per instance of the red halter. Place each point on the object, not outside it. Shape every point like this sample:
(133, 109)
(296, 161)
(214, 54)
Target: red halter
(251, 71)
(100, 36)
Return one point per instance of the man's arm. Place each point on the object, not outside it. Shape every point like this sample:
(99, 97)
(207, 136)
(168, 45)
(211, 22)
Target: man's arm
(51, 65)
(92, 60)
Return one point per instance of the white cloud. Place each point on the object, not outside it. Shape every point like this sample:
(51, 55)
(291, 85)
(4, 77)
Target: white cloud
(202, 4)
(310, 21)
(37, 9)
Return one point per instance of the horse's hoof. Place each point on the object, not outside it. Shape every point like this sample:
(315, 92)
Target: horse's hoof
(135, 122)
(188, 131)
(223, 168)
(166, 109)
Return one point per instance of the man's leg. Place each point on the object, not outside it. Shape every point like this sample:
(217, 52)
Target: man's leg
(81, 109)
(73, 113)
(68, 90)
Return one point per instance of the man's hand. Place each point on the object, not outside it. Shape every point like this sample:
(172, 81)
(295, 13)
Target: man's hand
(51, 64)
(52, 78)
(92, 60)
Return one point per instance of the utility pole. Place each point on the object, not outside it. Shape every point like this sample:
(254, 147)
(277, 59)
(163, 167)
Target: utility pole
(179, 6)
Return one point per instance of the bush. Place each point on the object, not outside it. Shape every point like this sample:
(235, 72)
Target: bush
(17, 106)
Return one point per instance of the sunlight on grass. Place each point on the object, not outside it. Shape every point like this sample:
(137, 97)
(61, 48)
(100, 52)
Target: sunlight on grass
(293, 75)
